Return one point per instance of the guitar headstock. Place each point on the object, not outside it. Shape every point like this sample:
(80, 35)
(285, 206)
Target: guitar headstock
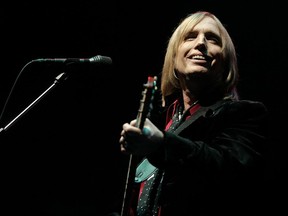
(151, 82)
(146, 104)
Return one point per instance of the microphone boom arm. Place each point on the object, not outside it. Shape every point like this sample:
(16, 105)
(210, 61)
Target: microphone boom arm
(58, 79)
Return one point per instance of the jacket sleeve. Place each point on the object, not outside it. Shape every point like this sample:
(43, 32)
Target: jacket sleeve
(228, 139)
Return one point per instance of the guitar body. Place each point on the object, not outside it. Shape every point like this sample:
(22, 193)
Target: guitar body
(131, 192)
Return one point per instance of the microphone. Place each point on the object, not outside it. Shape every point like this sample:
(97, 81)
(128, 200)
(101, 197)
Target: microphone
(99, 59)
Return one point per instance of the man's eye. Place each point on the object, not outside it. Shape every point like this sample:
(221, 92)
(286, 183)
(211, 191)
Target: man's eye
(213, 38)
(191, 37)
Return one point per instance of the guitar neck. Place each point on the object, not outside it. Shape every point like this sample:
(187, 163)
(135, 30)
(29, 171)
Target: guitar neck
(130, 195)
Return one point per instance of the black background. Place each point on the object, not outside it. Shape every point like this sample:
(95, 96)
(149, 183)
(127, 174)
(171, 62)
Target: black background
(62, 156)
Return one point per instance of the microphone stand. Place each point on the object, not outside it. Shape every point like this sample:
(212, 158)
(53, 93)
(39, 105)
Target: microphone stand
(57, 80)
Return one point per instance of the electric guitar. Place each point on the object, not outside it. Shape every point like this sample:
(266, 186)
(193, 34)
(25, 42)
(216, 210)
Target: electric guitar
(146, 105)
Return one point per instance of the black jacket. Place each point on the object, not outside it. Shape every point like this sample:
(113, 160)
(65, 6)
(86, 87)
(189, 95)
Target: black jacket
(215, 162)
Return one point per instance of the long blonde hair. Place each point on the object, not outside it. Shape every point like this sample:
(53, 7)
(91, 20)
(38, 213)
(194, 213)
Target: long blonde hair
(169, 82)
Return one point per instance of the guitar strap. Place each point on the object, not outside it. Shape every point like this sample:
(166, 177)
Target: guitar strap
(200, 112)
